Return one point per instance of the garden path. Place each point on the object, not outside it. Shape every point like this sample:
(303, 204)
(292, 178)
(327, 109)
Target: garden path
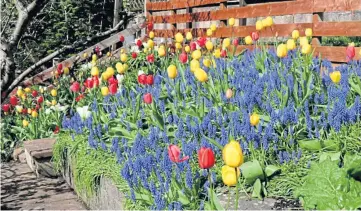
(22, 190)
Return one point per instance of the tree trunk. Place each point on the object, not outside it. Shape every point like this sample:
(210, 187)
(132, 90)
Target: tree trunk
(7, 66)
(117, 8)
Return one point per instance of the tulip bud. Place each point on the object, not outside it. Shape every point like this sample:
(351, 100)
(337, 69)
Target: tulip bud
(121, 38)
(206, 158)
(232, 154)
(172, 71)
(134, 55)
(229, 93)
(183, 57)
(235, 42)
(335, 77)
(255, 36)
(254, 119)
(147, 98)
(13, 100)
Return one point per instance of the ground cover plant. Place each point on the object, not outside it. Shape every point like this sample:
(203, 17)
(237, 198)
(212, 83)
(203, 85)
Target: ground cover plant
(182, 123)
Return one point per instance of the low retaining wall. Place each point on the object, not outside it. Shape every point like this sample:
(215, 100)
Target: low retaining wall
(106, 196)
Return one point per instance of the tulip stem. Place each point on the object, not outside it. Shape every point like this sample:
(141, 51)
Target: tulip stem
(237, 185)
(210, 186)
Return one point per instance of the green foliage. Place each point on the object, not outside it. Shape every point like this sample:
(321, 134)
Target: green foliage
(329, 187)
(341, 41)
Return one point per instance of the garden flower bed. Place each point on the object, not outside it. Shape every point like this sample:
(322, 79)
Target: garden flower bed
(175, 126)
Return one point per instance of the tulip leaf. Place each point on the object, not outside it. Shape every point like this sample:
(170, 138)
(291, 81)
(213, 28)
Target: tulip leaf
(182, 198)
(328, 155)
(252, 171)
(271, 170)
(257, 189)
(208, 206)
(137, 107)
(214, 200)
(214, 142)
(311, 145)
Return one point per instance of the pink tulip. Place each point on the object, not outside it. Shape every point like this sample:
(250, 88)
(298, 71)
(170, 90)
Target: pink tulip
(174, 154)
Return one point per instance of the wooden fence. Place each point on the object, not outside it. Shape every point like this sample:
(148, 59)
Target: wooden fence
(314, 7)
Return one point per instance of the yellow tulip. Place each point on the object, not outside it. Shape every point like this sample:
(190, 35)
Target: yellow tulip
(189, 36)
(105, 91)
(259, 25)
(119, 67)
(306, 49)
(268, 21)
(308, 32)
(201, 75)
(351, 44)
(335, 77)
(231, 21)
(217, 53)
(359, 53)
(124, 57)
(30, 111)
(179, 37)
(194, 65)
(94, 71)
(209, 45)
(197, 54)
(53, 102)
(105, 76)
(207, 62)
(151, 35)
(295, 34)
(85, 55)
(109, 54)
(25, 123)
(54, 93)
(254, 119)
(150, 43)
(291, 44)
(172, 71)
(19, 92)
(161, 52)
(122, 50)
(27, 90)
(178, 45)
(213, 27)
(34, 114)
(229, 175)
(226, 43)
(303, 41)
(66, 70)
(248, 40)
(23, 97)
(282, 50)
(110, 71)
(94, 57)
(209, 32)
(93, 63)
(232, 154)
(187, 48)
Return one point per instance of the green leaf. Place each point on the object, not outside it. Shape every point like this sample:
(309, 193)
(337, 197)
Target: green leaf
(271, 170)
(257, 189)
(214, 142)
(352, 164)
(215, 200)
(311, 145)
(182, 198)
(252, 171)
(328, 155)
(137, 107)
(207, 206)
(328, 187)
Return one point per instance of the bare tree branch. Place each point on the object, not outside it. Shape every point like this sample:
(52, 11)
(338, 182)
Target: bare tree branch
(36, 65)
(7, 21)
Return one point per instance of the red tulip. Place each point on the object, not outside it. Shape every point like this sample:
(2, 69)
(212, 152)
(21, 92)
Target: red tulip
(75, 87)
(113, 88)
(13, 100)
(121, 38)
(142, 79)
(81, 96)
(193, 46)
(201, 41)
(112, 80)
(147, 98)
(350, 52)
(40, 99)
(6, 107)
(183, 57)
(60, 67)
(134, 55)
(139, 43)
(223, 53)
(235, 42)
(37, 107)
(95, 81)
(34, 93)
(24, 111)
(89, 83)
(206, 158)
(150, 58)
(150, 26)
(149, 80)
(97, 49)
(56, 130)
(255, 36)
(174, 154)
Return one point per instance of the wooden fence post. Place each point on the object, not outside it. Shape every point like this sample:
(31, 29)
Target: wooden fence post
(222, 5)
(242, 21)
(317, 17)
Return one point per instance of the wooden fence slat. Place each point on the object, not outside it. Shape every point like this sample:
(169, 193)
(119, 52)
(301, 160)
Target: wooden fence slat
(175, 4)
(349, 28)
(260, 10)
